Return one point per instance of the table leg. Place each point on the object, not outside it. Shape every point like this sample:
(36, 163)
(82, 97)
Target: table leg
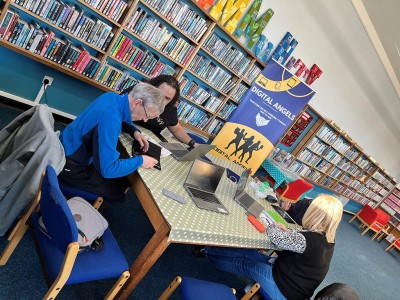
(146, 259)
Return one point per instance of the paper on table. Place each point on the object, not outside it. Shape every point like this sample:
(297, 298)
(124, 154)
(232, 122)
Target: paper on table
(164, 152)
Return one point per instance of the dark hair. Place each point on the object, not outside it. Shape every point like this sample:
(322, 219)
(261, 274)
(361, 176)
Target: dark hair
(171, 81)
(157, 81)
(337, 291)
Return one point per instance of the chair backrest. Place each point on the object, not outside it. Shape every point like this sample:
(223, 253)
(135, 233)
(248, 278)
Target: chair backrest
(368, 214)
(383, 218)
(56, 214)
(296, 189)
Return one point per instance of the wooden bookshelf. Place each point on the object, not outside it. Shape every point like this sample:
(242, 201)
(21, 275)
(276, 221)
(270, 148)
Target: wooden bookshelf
(111, 74)
(328, 157)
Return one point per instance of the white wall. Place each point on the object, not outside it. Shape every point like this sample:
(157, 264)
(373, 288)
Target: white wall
(354, 89)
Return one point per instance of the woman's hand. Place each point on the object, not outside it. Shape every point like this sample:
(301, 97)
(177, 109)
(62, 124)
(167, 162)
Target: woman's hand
(144, 143)
(283, 227)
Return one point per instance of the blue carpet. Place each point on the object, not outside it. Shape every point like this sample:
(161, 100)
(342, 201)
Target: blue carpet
(357, 261)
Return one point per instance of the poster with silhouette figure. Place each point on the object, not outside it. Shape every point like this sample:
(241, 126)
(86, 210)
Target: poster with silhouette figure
(265, 113)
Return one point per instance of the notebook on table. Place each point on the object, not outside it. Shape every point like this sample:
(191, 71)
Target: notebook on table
(181, 153)
(244, 199)
(153, 151)
(201, 184)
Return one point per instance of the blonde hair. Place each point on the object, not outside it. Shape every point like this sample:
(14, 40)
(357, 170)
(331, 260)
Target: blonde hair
(324, 215)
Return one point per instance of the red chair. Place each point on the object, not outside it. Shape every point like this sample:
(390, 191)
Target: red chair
(395, 244)
(293, 191)
(373, 219)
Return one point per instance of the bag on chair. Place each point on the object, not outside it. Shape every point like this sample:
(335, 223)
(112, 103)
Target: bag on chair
(91, 224)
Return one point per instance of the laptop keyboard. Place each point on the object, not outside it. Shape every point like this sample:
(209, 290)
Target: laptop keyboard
(179, 153)
(204, 196)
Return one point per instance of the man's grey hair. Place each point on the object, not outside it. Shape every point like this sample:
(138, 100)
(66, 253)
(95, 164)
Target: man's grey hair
(150, 95)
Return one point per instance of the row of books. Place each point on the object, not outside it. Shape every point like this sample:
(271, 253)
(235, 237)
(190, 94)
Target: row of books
(362, 162)
(113, 9)
(181, 15)
(396, 192)
(139, 58)
(344, 164)
(192, 115)
(309, 157)
(317, 146)
(323, 166)
(339, 187)
(72, 19)
(59, 50)
(252, 73)
(240, 90)
(212, 103)
(227, 110)
(115, 78)
(229, 55)
(192, 90)
(352, 153)
(335, 173)
(213, 74)
(331, 155)
(354, 170)
(341, 145)
(152, 31)
(328, 182)
(215, 126)
(327, 134)
(394, 199)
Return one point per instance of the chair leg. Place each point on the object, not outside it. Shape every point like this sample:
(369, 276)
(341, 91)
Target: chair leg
(98, 203)
(352, 219)
(388, 248)
(68, 263)
(375, 235)
(171, 288)
(365, 231)
(13, 242)
(117, 286)
(252, 292)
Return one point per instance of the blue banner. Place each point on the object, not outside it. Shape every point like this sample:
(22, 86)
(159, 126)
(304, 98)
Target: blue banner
(265, 113)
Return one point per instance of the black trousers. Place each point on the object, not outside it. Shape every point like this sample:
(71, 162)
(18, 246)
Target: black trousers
(89, 179)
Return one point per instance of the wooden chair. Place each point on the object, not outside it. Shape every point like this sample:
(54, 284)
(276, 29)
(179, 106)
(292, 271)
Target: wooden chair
(60, 255)
(196, 289)
(294, 191)
(395, 244)
(372, 219)
(22, 225)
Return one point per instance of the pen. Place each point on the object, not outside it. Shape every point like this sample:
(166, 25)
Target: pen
(257, 224)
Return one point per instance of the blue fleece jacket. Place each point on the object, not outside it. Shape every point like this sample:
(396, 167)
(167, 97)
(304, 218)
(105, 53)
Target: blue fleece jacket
(93, 136)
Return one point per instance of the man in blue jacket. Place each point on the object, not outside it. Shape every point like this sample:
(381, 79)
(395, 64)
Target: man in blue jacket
(90, 141)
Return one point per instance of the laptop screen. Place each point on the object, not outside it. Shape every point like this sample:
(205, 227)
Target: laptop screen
(204, 175)
(242, 182)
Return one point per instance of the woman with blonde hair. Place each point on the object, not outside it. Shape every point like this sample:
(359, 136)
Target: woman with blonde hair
(303, 262)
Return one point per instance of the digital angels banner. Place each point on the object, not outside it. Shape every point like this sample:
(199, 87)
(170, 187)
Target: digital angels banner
(267, 110)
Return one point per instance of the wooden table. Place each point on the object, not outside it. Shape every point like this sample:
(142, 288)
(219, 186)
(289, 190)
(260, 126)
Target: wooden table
(185, 223)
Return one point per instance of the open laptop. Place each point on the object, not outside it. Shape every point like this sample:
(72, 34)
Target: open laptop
(181, 153)
(244, 199)
(202, 182)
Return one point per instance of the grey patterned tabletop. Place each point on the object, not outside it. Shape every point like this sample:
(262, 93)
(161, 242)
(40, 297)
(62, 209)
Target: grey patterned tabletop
(190, 224)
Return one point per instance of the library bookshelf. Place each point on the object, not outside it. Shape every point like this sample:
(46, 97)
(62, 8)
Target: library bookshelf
(328, 157)
(112, 44)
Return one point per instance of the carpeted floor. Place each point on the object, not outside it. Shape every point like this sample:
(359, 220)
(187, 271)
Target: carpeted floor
(357, 261)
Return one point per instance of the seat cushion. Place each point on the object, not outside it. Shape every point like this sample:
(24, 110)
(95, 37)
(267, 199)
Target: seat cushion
(196, 289)
(109, 262)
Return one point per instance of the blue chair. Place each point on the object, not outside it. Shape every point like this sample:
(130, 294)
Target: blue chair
(196, 289)
(22, 225)
(62, 262)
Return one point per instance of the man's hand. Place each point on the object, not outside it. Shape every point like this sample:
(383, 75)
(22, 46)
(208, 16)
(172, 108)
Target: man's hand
(144, 143)
(148, 162)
